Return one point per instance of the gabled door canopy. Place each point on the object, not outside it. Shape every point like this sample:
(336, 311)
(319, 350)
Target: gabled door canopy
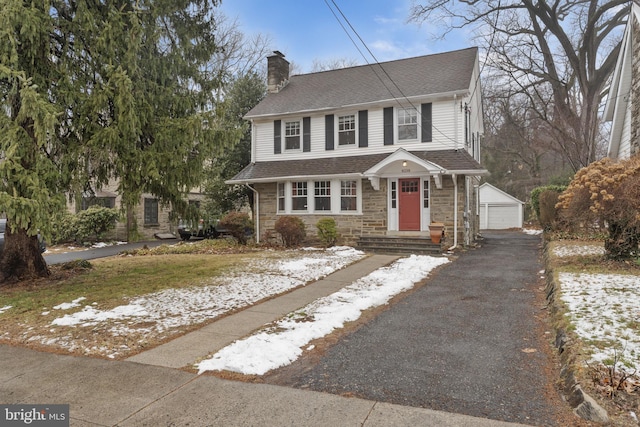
(401, 155)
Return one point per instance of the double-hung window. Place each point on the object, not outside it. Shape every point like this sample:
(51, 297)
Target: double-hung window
(292, 135)
(299, 196)
(407, 124)
(348, 195)
(322, 195)
(281, 197)
(347, 130)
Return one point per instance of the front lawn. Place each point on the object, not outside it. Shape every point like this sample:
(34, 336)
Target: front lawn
(116, 307)
(600, 301)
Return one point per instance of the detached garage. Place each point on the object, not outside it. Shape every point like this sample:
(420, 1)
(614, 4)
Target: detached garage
(499, 210)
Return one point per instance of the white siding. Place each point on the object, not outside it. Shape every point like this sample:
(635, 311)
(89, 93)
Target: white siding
(499, 210)
(448, 124)
(624, 149)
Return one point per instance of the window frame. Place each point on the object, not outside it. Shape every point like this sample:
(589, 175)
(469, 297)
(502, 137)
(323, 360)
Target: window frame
(402, 114)
(281, 196)
(350, 197)
(332, 191)
(299, 186)
(285, 136)
(354, 130)
(151, 211)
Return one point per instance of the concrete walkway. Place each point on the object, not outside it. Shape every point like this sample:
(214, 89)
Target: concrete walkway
(148, 390)
(184, 351)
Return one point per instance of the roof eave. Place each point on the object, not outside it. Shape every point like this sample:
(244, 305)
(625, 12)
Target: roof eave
(291, 178)
(381, 102)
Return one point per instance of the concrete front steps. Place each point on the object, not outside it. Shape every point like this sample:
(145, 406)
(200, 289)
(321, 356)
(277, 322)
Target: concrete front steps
(399, 245)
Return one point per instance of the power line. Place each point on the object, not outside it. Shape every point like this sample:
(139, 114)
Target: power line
(379, 65)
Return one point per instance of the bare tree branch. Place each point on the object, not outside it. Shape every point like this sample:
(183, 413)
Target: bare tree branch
(567, 47)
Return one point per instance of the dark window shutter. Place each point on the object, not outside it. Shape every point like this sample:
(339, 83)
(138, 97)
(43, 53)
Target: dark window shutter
(306, 134)
(277, 139)
(329, 132)
(388, 126)
(363, 128)
(427, 122)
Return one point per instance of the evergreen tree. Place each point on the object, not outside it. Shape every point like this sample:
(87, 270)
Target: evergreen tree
(244, 94)
(95, 91)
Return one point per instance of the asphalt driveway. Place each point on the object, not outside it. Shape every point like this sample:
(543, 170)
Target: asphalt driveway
(466, 342)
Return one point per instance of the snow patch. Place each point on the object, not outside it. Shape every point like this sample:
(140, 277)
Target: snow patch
(282, 343)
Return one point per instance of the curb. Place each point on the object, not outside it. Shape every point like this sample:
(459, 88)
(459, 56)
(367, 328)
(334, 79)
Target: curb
(582, 403)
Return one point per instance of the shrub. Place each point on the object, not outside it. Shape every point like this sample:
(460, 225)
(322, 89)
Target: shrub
(239, 225)
(63, 227)
(292, 230)
(535, 196)
(94, 222)
(327, 231)
(608, 193)
(548, 211)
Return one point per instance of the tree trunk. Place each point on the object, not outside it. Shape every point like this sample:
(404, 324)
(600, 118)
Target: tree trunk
(21, 258)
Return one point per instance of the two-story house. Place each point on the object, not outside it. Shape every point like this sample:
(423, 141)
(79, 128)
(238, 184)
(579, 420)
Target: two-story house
(385, 149)
(623, 102)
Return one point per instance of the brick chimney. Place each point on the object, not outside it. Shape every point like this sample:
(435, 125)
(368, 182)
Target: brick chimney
(277, 72)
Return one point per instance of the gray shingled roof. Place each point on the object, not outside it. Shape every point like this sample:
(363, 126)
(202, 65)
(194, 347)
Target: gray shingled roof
(419, 76)
(449, 160)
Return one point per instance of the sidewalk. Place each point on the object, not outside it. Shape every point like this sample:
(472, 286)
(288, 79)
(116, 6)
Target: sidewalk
(148, 390)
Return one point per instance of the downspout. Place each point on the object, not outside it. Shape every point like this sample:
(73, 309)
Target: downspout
(455, 212)
(256, 203)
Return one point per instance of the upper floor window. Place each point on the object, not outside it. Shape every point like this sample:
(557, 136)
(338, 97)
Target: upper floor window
(347, 130)
(292, 135)
(407, 124)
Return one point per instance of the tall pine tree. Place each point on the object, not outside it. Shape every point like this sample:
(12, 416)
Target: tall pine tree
(95, 91)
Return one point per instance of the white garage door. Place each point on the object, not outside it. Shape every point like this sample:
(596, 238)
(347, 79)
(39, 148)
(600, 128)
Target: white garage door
(500, 217)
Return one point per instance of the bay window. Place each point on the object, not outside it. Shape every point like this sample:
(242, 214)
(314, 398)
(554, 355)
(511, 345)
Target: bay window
(322, 197)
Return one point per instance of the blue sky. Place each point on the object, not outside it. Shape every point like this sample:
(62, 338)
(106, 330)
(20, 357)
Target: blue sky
(305, 30)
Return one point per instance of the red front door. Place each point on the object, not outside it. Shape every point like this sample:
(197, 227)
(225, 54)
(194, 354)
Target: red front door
(409, 204)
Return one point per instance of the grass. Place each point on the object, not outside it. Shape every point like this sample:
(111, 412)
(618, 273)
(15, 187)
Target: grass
(585, 255)
(109, 282)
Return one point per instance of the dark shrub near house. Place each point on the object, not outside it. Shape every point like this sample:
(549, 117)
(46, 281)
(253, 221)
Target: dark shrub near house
(291, 229)
(238, 225)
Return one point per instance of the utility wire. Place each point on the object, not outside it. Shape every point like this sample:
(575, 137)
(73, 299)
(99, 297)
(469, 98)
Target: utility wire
(379, 65)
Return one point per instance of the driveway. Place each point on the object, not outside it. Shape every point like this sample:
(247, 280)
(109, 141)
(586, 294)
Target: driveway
(103, 252)
(468, 342)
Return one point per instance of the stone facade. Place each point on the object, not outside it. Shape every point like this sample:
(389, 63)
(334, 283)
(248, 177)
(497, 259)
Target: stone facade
(374, 217)
(166, 223)
(635, 90)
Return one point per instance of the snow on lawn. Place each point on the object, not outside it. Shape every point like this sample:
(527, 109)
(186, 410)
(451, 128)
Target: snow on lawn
(531, 231)
(173, 308)
(281, 343)
(578, 250)
(605, 310)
